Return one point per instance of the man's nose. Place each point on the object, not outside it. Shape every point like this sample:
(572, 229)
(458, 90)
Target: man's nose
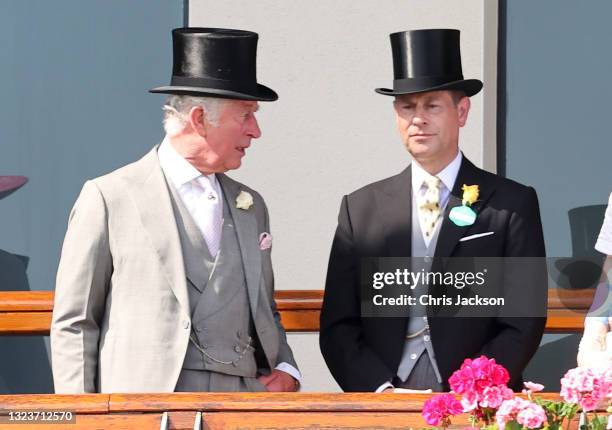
(254, 131)
(419, 117)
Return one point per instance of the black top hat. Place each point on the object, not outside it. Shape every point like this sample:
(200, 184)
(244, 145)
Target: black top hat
(9, 184)
(428, 60)
(215, 62)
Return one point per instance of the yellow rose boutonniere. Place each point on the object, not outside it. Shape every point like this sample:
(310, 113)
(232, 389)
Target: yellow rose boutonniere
(470, 194)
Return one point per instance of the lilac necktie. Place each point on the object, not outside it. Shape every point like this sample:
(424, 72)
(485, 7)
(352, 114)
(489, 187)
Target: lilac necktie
(209, 215)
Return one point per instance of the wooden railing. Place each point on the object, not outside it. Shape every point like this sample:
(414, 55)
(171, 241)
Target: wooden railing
(227, 411)
(29, 312)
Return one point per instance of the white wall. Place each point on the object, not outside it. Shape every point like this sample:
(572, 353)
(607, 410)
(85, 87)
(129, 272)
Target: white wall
(329, 133)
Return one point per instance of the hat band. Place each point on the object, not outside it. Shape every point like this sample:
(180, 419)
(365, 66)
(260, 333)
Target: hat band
(423, 82)
(218, 84)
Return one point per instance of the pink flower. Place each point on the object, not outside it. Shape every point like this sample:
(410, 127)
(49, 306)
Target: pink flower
(439, 408)
(533, 387)
(500, 375)
(494, 396)
(585, 387)
(481, 382)
(531, 416)
(462, 380)
(588, 402)
(478, 374)
(469, 401)
(507, 411)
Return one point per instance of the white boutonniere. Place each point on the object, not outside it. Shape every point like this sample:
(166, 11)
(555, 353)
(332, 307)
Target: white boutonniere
(244, 200)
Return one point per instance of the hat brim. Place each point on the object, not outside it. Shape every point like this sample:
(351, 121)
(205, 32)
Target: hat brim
(469, 86)
(10, 184)
(263, 93)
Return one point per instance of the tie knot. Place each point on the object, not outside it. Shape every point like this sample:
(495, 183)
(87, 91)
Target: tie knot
(206, 187)
(202, 182)
(433, 182)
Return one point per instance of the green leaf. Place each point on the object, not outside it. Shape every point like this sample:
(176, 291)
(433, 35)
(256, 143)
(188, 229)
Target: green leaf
(513, 425)
(598, 423)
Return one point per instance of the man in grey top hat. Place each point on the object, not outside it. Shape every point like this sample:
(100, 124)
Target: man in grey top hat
(165, 281)
(439, 206)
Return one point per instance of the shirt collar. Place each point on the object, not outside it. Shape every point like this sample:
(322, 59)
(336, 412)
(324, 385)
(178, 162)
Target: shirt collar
(448, 175)
(178, 170)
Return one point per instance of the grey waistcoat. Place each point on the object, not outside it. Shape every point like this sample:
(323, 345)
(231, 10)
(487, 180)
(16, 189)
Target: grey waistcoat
(218, 299)
(413, 348)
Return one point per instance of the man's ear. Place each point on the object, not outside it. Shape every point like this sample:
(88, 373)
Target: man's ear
(463, 108)
(197, 120)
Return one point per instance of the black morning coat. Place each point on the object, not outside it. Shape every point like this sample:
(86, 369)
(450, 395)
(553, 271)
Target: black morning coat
(375, 221)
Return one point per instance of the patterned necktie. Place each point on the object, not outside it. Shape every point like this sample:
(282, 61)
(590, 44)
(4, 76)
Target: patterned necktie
(209, 214)
(429, 209)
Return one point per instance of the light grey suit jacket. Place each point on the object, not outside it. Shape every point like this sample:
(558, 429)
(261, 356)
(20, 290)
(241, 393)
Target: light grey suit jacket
(121, 319)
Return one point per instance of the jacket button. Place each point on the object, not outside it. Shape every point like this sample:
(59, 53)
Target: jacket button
(185, 324)
(237, 348)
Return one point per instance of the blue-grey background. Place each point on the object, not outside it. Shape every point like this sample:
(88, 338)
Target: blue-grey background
(557, 123)
(74, 77)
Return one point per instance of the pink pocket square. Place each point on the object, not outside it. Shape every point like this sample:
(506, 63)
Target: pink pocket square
(265, 241)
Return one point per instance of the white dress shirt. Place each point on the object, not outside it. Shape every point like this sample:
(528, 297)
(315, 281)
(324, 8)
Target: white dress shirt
(181, 175)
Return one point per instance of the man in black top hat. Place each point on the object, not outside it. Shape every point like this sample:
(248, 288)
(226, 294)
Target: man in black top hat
(440, 206)
(165, 281)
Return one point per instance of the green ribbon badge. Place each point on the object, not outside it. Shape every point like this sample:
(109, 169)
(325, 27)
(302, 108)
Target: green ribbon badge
(464, 215)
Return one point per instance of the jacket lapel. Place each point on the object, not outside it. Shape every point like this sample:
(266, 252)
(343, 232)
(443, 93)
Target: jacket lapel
(246, 230)
(150, 194)
(395, 204)
(450, 233)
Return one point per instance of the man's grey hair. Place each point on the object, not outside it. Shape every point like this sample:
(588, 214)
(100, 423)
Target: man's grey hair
(177, 107)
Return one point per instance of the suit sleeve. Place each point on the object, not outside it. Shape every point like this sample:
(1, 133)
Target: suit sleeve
(518, 338)
(81, 287)
(285, 355)
(351, 361)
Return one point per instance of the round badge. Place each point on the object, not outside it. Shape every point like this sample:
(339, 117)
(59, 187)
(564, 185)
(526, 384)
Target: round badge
(462, 216)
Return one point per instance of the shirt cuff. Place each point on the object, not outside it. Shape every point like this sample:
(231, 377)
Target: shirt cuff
(384, 386)
(288, 368)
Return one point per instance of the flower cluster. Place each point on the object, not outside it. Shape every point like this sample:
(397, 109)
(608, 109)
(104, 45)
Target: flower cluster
(586, 387)
(481, 383)
(440, 408)
(526, 413)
